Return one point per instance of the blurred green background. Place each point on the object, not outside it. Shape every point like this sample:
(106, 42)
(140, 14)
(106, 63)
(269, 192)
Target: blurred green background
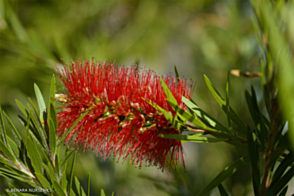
(199, 37)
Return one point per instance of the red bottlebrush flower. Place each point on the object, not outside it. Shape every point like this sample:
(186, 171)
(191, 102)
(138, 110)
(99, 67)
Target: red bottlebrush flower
(120, 121)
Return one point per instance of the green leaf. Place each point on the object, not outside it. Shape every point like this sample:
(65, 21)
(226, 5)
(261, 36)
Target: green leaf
(287, 162)
(68, 153)
(254, 157)
(51, 106)
(57, 166)
(13, 130)
(2, 128)
(63, 178)
(52, 90)
(177, 124)
(58, 189)
(227, 99)
(52, 137)
(222, 190)
(198, 123)
(262, 132)
(22, 108)
(43, 180)
(41, 102)
(284, 191)
(50, 171)
(192, 138)
(7, 152)
(204, 116)
(71, 172)
(37, 113)
(169, 95)
(34, 155)
(177, 74)
(102, 193)
(79, 187)
(226, 173)
(274, 190)
(12, 146)
(222, 103)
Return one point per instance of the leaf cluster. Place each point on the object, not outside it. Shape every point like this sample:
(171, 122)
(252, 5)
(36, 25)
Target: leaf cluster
(36, 159)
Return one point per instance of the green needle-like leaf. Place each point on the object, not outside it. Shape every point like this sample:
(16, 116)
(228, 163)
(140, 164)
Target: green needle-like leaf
(71, 172)
(13, 130)
(284, 191)
(274, 190)
(52, 137)
(177, 74)
(204, 116)
(2, 128)
(254, 157)
(287, 162)
(34, 155)
(226, 173)
(222, 190)
(63, 178)
(222, 103)
(58, 189)
(7, 152)
(198, 123)
(79, 187)
(43, 180)
(22, 108)
(41, 102)
(102, 193)
(193, 138)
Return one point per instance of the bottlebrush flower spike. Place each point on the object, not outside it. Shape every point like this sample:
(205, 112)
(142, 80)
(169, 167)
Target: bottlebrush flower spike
(120, 121)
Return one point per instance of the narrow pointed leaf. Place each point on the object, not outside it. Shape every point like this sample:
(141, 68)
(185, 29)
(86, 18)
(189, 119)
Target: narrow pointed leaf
(43, 180)
(287, 162)
(22, 108)
(222, 190)
(41, 102)
(177, 74)
(66, 157)
(13, 130)
(222, 103)
(254, 157)
(102, 193)
(7, 152)
(204, 116)
(284, 191)
(34, 155)
(63, 179)
(198, 123)
(226, 173)
(2, 128)
(227, 98)
(274, 190)
(58, 189)
(13, 146)
(52, 137)
(71, 172)
(193, 138)
(79, 187)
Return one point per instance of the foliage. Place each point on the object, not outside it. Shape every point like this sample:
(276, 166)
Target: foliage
(264, 143)
(36, 159)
